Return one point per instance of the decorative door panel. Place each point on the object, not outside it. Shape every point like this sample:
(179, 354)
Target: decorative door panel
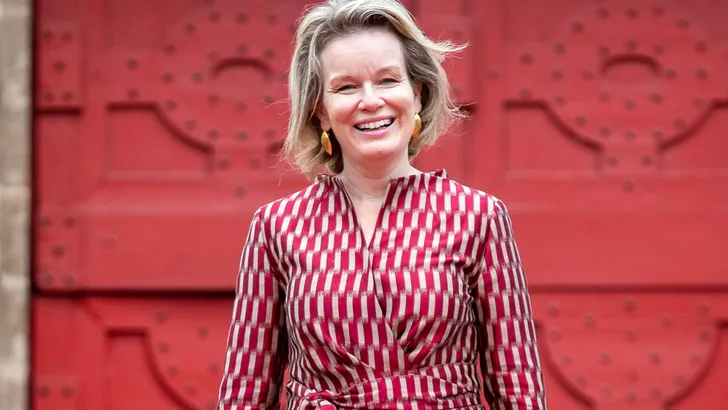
(158, 128)
(129, 353)
(603, 128)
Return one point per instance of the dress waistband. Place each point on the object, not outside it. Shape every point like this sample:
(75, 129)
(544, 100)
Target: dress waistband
(389, 392)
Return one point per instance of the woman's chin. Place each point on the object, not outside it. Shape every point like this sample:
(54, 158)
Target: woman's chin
(380, 148)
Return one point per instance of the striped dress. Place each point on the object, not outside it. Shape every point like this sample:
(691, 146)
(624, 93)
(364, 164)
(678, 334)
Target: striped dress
(397, 323)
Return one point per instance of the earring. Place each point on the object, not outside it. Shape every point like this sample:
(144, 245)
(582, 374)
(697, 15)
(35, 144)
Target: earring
(326, 142)
(418, 126)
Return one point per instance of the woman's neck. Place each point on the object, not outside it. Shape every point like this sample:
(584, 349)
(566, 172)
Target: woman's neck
(370, 183)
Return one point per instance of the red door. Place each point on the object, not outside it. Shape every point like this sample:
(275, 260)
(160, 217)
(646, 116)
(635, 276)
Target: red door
(601, 124)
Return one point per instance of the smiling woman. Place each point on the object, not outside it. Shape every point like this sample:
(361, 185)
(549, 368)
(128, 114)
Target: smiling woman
(379, 285)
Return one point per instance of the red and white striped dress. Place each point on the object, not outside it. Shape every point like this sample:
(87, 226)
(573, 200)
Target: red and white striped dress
(396, 324)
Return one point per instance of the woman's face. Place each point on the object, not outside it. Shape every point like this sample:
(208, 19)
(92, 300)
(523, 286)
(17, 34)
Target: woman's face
(368, 100)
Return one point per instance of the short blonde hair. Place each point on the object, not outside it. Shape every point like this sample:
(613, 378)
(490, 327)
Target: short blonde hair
(336, 18)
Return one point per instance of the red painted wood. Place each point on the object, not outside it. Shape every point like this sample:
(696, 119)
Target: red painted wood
(601, 124)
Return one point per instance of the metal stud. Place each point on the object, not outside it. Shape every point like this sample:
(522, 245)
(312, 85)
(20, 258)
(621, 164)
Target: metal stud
(170, 49)
(683, 24)
(605, 359)
(602, 13)
(655, 358)
(59, 66)
(679, 124)
(559, 48)
(526, 59)
(525, 94)
(133, 94)
(656, 98)
(555, 335)
(630, 397)
(577, 27)
(132, 64)
(557, 75)
(161, 316)
(214, 17)
(700, 47)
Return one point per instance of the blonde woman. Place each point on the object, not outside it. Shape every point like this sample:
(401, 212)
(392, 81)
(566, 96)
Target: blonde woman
(379, 286)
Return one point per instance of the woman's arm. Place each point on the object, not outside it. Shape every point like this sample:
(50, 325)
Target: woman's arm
(509, 355)
(257, 346)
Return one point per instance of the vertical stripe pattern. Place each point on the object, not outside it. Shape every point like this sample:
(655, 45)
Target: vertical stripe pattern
(398, 323)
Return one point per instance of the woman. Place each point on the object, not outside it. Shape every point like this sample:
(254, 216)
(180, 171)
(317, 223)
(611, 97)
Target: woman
(379, 285)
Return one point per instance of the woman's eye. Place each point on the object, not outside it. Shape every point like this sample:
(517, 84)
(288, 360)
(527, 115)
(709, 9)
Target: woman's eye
(389, 80)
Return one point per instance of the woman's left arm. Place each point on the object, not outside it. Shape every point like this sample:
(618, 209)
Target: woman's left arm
(509, 354)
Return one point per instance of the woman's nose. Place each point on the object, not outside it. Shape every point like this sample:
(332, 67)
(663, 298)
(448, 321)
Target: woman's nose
(369, 98)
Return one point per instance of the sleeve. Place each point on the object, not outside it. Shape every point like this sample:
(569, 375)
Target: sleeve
(257, 342)
(509, 356)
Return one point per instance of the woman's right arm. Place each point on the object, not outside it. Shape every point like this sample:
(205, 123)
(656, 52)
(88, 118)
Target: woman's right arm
(257, 342)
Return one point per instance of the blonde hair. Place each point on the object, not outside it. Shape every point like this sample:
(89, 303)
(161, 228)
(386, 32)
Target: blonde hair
(336, 18)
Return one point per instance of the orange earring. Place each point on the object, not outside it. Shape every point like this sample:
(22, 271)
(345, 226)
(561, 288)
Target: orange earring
(326, 142)
(418, 126)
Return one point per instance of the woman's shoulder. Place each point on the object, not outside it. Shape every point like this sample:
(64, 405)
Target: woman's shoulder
(299, 203)
(469, 198)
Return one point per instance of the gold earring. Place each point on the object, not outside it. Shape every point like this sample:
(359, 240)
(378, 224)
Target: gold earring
(418, 126)
(326, 142)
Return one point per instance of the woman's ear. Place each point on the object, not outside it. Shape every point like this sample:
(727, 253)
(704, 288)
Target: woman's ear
(418, 97)
(323, 117)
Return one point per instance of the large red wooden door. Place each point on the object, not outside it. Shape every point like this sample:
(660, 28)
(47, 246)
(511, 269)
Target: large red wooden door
(601, 124)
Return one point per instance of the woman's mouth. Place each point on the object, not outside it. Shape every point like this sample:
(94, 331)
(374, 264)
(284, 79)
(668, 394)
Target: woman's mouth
(375, 125)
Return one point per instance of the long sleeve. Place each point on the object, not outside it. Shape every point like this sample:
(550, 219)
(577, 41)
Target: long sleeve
(256, 347)
(509, 355)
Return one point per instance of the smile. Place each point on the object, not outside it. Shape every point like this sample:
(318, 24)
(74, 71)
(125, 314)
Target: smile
(375, 125)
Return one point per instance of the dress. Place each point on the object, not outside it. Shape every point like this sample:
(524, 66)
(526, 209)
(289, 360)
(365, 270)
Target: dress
(397, 324)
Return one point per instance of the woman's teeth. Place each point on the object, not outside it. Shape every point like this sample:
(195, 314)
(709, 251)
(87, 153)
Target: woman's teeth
(374, 125)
